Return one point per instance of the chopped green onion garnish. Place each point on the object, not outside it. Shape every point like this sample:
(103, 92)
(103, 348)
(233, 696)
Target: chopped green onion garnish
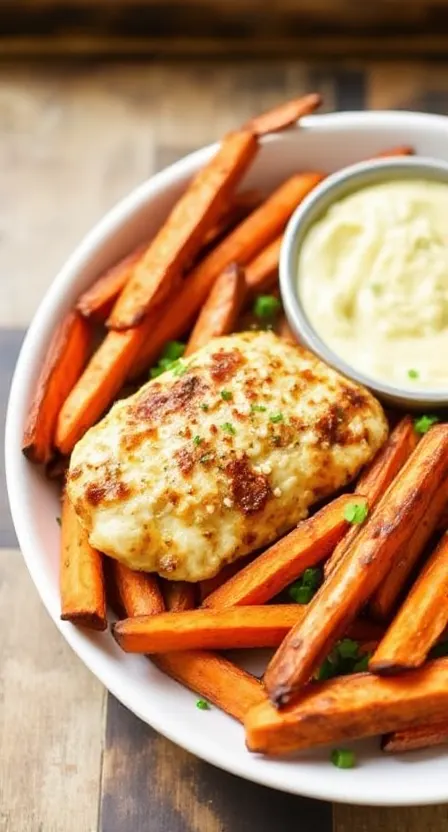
(362, 664)
(227, 395)
(197, 440)
(325, 671)
(179, 367)
(204, 406)
(312, 577)
(172, 351)
(356, 512)
(413, 373)
(348, 649)
(276, 417)
(205, 458)
(423, 423)
(156, 371)
(266, 307)
(301, 594)
(257, 408)
(202, 704)
(343, 758)
(228, 427)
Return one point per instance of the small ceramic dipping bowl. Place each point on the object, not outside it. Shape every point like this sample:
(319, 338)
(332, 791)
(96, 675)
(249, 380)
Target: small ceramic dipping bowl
(331, 190)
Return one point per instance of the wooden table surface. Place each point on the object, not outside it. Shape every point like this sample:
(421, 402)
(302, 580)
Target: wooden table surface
(73, 140)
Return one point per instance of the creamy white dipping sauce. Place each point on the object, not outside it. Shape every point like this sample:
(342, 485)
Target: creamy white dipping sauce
(373, 280)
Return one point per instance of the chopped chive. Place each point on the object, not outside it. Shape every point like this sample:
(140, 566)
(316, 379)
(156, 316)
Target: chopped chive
(173, 350)
(312, 577)
(276, 417)
(413, 373)
(257, 408)
(202, 704)
(59, 521)
(423, 423)
(227, 395)
(197, 440)
(228, 428)
(362, 664)
(343, 758)
(179, 367)
(205, 458)
(348, 649)
(356, 513)
(266, 307)
(204, 406)
(301, 594)
(325, 671)
(156, 371)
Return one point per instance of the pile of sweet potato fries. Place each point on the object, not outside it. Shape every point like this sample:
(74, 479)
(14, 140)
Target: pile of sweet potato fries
(383, 547)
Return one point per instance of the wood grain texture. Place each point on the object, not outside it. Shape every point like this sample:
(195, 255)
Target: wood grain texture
(210, 27)
(374, 819)
(51, 717)
(145, 776)
(10, 341)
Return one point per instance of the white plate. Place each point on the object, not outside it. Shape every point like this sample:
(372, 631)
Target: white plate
(324, 142)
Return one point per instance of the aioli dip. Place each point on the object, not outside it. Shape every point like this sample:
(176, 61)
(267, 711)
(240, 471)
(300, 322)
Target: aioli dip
(373, 281)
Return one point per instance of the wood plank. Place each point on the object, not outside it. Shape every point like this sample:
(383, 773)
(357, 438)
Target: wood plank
(378, 819)
(51, 717)
(145, 776)
(10, 341)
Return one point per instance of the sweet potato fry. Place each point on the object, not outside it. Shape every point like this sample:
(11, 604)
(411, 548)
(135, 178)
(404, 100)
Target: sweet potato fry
(63, 364)
(308, 544)
(179, 595)
(238, 627)
(241, 246)
(400, 150)
(220, 310)
(241, 206)
(83, 597)
(101, 380)
(284, 115)
(442, 524)
(348, 708)
(388, 595)
(262, 272)
(377, 477)
(420, 621)
(413, 739)
(232, 628)
(215, 678)
(160, 270)
(396, 519)
(138, 592)
(97, 301)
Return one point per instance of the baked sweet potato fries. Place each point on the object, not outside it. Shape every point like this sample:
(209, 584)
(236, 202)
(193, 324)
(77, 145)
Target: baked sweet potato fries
(360, 585)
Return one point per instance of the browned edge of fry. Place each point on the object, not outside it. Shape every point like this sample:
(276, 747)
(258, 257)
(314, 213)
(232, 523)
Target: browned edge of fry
(61, 368)
(415, 739)
(284, 115)
(179, 595)
(81, 581)
(221, 309)
(420, 621)
(138, 592)
(377, 477)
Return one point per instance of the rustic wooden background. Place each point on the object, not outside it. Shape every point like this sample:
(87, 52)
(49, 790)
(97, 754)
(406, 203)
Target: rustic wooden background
(312, 28)
(73, 140)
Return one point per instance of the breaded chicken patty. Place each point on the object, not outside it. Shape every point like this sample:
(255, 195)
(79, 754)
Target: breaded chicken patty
(220, 455)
